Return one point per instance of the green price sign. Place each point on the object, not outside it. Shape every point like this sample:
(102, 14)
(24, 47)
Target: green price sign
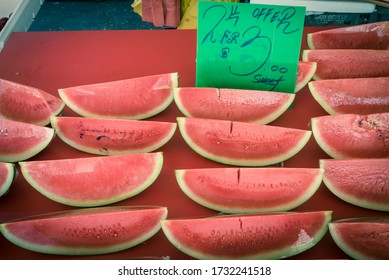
(248, 46)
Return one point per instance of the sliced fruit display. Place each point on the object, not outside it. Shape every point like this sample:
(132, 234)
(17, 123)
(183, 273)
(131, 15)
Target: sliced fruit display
(113, 136)
(252, 106)
(249, 190)
(362, 182)
(255, 236)
(27, 104)
(344, 63)
(89, 231)
(93, 181)
(135, 98)
(363, 36)
(353, 135)
(362, 238)
(305, 72)
(352, 96)
(7, 176)
(241, 144)
(20, 141)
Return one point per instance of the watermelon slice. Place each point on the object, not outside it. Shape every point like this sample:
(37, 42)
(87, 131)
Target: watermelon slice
(352, 96)
(7, 175)
(20, 141)
(364, 36)
(135, 98)
(353, 135)
(305, 72)
(27, 104)
(367, 187)
(242, 144)
(93, 181)
(252, 106)
(245, 190)
(362, 238)
(113, 136)
(89, 231)
(342, 64)
(255, 236)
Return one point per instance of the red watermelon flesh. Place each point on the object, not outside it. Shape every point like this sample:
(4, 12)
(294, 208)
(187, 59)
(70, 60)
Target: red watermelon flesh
(7, 175)
(113, 136)
(354, 63)
(255, 236)
(305, 72)
(352, 96)
(362, 238)
(244, 190)
(135, 98)
(353, 135)
(93, 181)
(89, 231)
(27, 104)
(367, 187)
(364, 36)
(242, 144)
(252, 106)
(20, 141)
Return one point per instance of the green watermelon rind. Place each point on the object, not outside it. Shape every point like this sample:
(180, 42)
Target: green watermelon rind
(242, 162)
(144, 115)
(289, 251)
(349, 198)
(110, 151)
(94, 203)
(72, 251)
(259, 119)
(11, 174)
(226, 208)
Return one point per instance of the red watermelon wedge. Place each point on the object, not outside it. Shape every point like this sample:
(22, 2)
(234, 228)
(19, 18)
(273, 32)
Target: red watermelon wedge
(89, 231)
(252, 106)
(363, 36)
(7, 175)
(364, 238)
(113, 136)
(20, 141)
(27, 104)
(362, 182)
(305, 72)
(93, 181)
(249, 190)
(135, 98)
(352, 96)
(242, 144)
(255, 236)
(344, 63)
(353, 135)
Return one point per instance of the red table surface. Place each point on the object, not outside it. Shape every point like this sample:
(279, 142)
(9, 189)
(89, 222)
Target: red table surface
(52, 60)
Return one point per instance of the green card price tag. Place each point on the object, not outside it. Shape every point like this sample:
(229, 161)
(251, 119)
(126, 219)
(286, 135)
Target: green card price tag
(248, 46)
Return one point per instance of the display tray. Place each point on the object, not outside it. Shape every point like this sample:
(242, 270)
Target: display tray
(52, 60)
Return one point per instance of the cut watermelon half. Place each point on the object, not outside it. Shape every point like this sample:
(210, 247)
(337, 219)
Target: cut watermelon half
(361, 182)
(242, 144)
(7, 175)
(255, 236)
(89, 231)
(27, 104)
(364, 238)
(113, 136)
(343, 64)
(352, 96)
(305, 72)
(93, 181)
(249, 190)
(135, 98)
(252, 106)
(363, 36)
(353, 135)
(20, 141)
